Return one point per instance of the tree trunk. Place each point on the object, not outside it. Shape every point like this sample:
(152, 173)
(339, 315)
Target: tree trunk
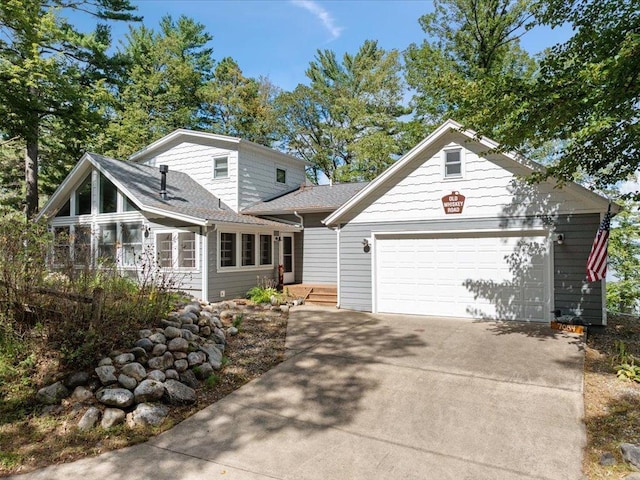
(31, 174)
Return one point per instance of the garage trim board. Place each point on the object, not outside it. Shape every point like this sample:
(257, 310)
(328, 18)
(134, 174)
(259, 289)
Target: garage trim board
(480, 274)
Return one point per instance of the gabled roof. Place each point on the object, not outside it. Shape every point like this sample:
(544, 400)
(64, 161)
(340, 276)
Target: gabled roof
(183, 134)
(307, 199)
(450, 131)
(186, 199)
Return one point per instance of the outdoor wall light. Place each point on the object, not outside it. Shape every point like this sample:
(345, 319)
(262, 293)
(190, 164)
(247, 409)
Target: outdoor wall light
(365, 245)
(559, 238)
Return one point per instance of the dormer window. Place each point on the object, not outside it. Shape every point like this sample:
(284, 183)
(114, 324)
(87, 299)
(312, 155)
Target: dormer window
(281, 175)
(452, 163)
(221, 167)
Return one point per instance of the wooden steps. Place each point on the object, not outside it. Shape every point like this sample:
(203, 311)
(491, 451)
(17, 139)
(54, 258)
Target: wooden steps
(326, 295)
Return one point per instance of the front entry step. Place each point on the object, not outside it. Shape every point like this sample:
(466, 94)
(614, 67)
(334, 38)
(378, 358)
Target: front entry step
(315, 294)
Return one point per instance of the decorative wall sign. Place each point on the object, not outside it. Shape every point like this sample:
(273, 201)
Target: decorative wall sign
(453, 203)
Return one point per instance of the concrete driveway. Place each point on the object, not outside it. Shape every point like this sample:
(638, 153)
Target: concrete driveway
(382, 397)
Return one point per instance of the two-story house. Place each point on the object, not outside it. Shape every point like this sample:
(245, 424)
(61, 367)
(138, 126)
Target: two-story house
(450, 229)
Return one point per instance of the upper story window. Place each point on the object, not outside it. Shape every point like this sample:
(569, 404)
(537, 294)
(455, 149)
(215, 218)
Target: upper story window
(221, 167)
(108, 196)
(83, 197)
(281, 175)
(452, 163)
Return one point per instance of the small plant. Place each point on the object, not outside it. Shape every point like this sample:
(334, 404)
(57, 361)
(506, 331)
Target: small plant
(260, 294)
(211, 381)
(237, 320)
(225, 361)
(628, 371)
(625, 363)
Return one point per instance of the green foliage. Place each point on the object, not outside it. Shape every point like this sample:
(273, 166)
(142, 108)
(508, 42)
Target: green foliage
(237, 321)
(585, 96)
(347, 121)
(471, 65)
(260, 294)
(211, 381)
(626, 368)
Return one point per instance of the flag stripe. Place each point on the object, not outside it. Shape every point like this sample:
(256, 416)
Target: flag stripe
(597, 261)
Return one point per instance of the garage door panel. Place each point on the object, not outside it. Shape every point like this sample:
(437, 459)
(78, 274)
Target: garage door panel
(479, 277)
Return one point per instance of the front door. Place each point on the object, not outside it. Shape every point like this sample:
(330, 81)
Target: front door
(286, 258)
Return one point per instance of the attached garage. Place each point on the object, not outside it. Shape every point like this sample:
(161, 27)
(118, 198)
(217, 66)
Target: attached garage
(465, 274)
(451, 229)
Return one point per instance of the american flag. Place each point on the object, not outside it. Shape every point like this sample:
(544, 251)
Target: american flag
(597, 262)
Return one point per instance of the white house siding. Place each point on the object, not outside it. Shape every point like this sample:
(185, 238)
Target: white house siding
(319, 255)
(569, 260)
(489, 185)
(257, 174)
(196, 160)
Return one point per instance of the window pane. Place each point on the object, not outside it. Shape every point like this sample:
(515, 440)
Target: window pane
(164, 244)
(65, 210)
(452, 164)
(287, 254)
(227, 249)
(61, 245)
(187, 249)
(220, 167)
(129, 206)
(82, 245)
(248, 249)
(131, 243)
(83, 197)
(281, 175)
(265, 249)
(108, 196)
(107, 241)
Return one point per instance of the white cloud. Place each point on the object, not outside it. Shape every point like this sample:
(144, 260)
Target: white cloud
(321, 14)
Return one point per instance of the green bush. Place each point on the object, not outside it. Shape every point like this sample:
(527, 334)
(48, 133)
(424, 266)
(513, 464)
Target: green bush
(263, 295)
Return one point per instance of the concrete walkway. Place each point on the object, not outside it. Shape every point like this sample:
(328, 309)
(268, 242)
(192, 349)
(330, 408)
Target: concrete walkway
(381, 397)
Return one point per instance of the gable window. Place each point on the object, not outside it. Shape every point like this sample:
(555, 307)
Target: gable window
(227, 249)
(108, 196)
(452, 163)
(83, 197)
(65, 210)
(248, 249)
(265, 250)
(281, 175)
(128, 205)
(221, 167)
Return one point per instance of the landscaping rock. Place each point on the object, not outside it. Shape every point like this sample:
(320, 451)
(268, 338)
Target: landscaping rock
(115, 397)
(631, 454)
(180, 355)
(170, 323)
(76, 379)
(284, 308)
(123, 359)
(52, 394)
(632, 476)
(219, 336)
(105, 362)
(158, 338)
(193, 308)
(196, 358)
(147, 414)
(144, 343)
(106, 374)
(214, 355)
(161, 363)
(226, 315)
(203, 371)
(159, 349)
(187, 335)
(181, 365)
(172, 332)
(179, 393)
(139, 352)
(149, 391)
(144, 333)
(178, 345)
(135, 370)
(192, 328)
(172, 374)
(205, 331)
(607, 459)
(189, 379)
(127, 382)
(81, 394)
(233, 331)
(158, 375)
(89, 419)
(112, 417)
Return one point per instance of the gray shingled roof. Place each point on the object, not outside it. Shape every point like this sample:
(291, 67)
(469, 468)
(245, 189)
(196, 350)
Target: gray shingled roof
(184, 195)
(308, 198)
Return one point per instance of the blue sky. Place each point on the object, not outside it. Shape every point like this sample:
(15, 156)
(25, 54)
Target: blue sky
(278, 38)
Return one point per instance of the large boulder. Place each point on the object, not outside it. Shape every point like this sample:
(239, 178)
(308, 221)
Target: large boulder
(112, 417)
(148, 391)
(146, 414)
(115, 397)
(178, 393)
(214, 355)
(76, 379)
(123, 359)
(106, 374)
(631, 454)
(89, 419)
(52, 394)
(82, 394)
(178, 345)
(135, 370)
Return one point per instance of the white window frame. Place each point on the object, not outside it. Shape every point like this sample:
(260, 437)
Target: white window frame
(216, 176)
(175, 249)
(238, 253)
(445, 153)
(282, 169)
(259, 238)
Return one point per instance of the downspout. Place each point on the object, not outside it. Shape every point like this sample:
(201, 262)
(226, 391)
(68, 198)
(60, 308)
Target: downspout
(204, 264)
(338, 264)
(300, 218)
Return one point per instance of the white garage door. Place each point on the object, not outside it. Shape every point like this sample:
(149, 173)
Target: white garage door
(473, 276)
